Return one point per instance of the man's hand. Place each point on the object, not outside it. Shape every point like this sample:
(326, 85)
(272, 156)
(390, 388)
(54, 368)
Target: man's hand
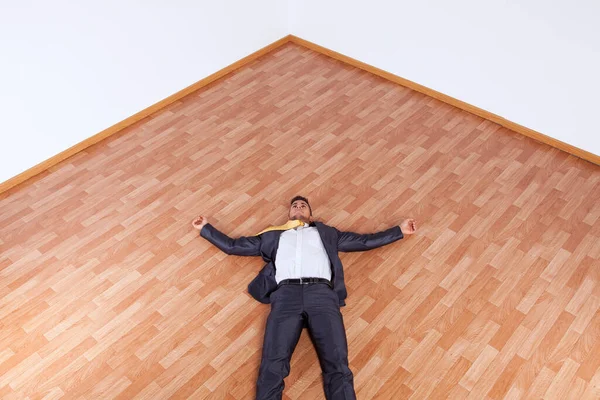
(408, 226)
(199, 222)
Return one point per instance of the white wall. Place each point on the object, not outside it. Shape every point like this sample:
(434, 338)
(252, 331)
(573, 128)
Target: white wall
(536, 62)
(69, 70)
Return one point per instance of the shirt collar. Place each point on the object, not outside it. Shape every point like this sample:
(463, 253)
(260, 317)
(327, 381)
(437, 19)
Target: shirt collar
(306, 226)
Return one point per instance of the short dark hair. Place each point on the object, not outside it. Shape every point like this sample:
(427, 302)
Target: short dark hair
(304, 199)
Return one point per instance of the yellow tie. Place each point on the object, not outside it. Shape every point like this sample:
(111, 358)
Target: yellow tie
(293, 223)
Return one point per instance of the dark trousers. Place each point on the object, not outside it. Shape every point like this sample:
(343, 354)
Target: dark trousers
(293, 307)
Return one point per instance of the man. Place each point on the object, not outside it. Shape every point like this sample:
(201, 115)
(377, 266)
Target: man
(303, 281)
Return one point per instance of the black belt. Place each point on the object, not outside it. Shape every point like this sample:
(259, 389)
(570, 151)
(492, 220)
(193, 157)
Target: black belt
(304, 281)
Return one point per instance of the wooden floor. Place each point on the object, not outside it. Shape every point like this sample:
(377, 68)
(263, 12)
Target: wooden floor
(108, 292)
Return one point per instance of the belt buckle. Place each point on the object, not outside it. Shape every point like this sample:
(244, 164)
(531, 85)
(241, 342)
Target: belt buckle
(301, 281)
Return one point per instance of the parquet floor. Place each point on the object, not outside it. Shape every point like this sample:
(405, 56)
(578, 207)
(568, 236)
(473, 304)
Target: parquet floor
(108, 292)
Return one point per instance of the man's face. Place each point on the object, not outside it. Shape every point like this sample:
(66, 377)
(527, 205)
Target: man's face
(299, 210)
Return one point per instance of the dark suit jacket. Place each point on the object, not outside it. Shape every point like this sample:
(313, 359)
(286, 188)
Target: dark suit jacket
(265, 245)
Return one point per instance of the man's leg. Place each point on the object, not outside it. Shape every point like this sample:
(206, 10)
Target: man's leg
(284, 326)
(326, 329)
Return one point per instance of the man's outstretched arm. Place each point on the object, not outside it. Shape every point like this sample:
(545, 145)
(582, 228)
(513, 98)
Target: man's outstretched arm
(242, 246)
(350, 241)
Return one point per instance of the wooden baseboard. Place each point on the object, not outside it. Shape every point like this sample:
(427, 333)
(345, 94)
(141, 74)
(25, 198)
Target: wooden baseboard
(44, 165)
(586, 155)
(31, 172)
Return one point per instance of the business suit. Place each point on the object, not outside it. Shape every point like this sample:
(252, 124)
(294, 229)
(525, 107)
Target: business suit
(293, 307)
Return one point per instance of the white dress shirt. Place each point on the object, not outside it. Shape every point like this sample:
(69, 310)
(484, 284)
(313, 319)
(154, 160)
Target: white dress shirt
(301, 254)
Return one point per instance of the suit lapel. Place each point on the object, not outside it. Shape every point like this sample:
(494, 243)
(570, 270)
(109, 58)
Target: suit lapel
(275, 244)
(326, 240)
